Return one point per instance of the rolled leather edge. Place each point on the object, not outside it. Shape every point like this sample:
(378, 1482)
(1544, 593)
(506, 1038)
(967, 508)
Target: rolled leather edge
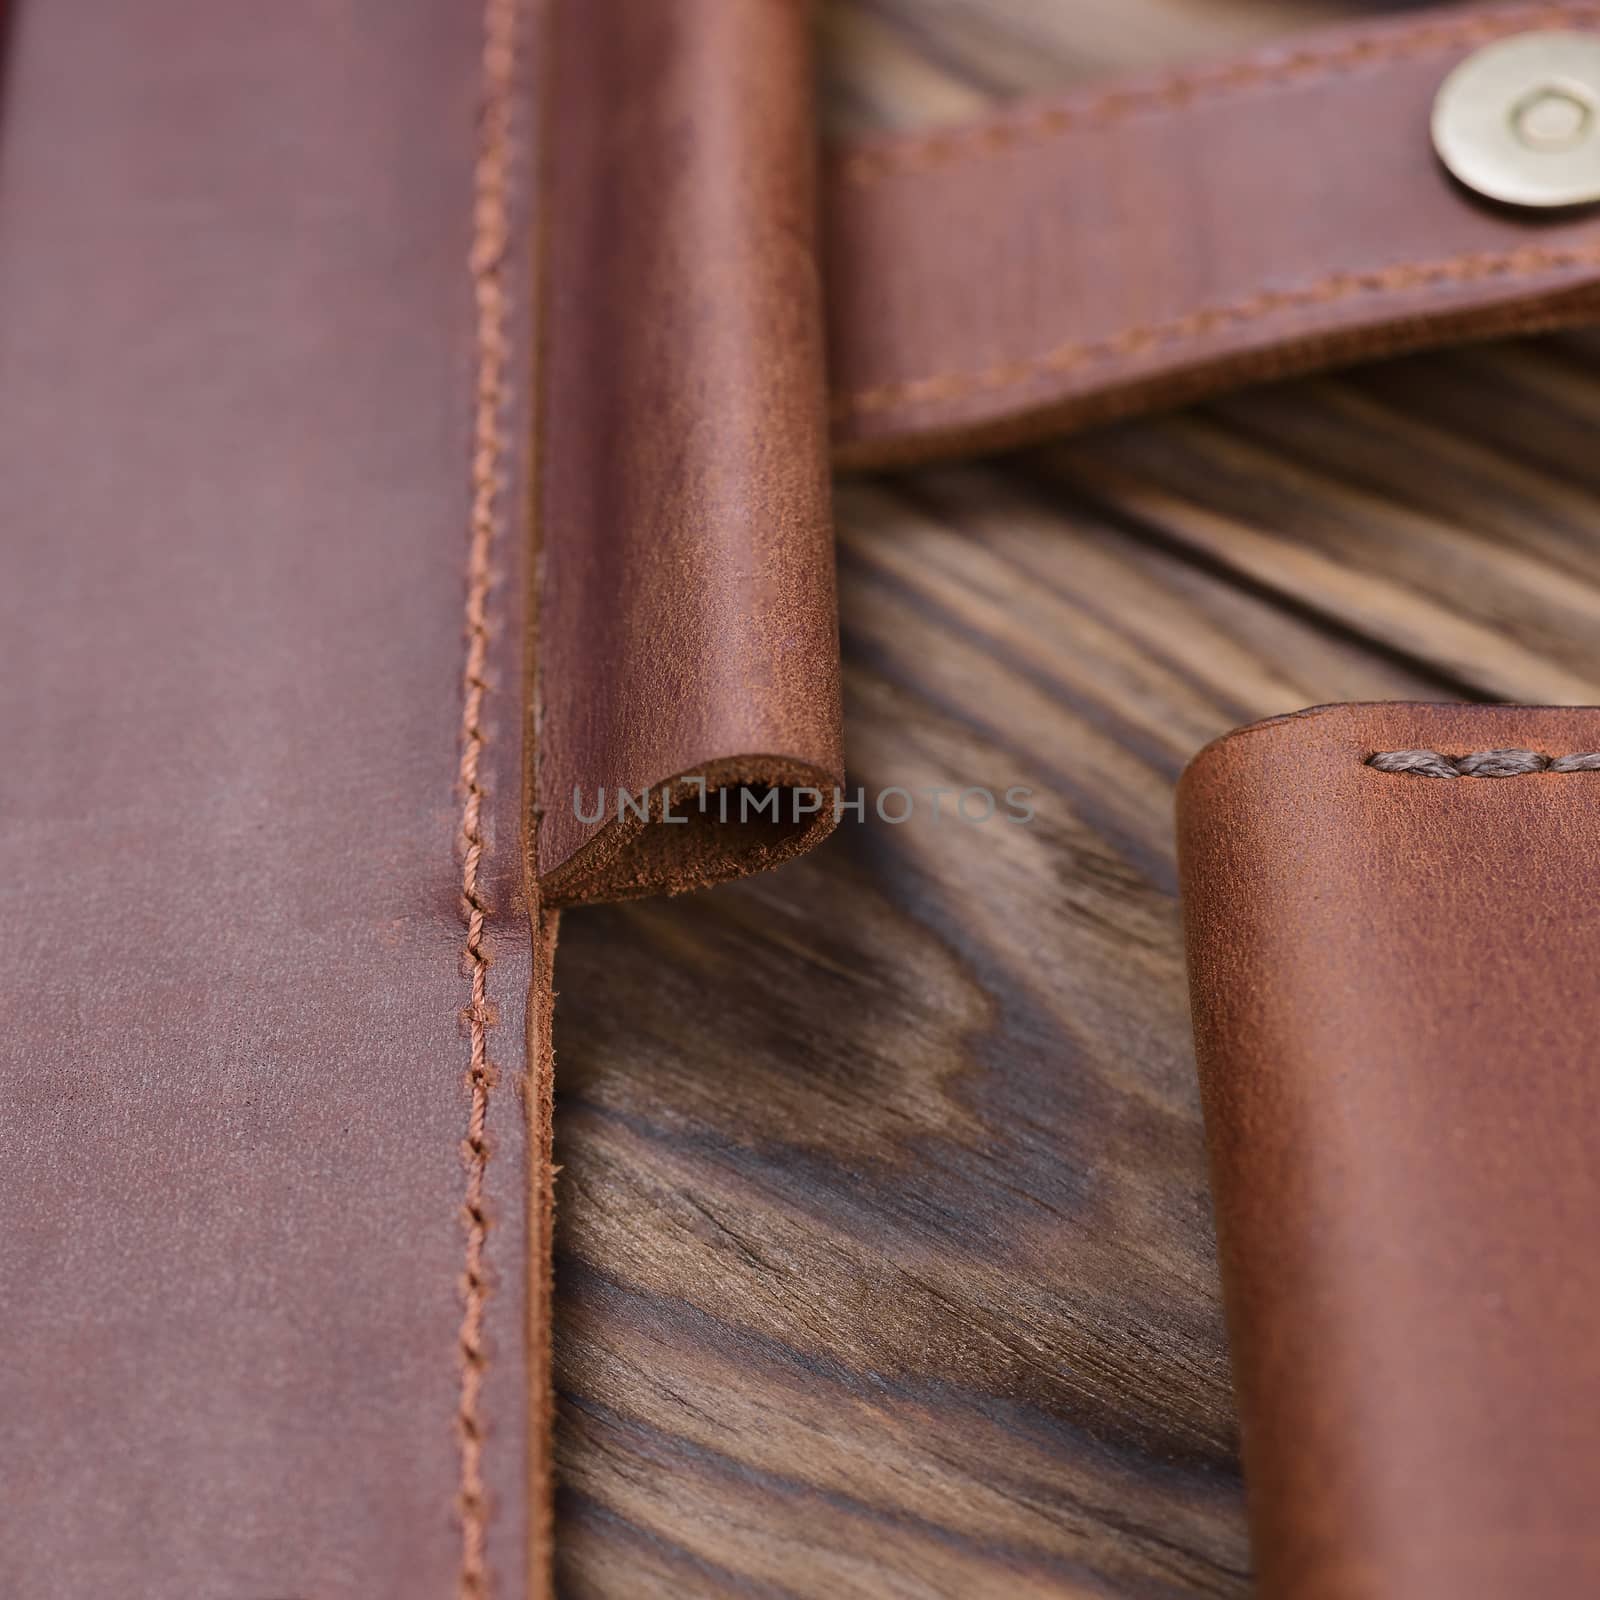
(688, 630)
(1395, 1019)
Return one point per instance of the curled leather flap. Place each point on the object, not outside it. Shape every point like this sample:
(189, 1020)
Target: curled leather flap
(688, 646)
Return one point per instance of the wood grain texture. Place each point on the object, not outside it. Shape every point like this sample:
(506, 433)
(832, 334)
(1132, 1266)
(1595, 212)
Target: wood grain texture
(884, 1253)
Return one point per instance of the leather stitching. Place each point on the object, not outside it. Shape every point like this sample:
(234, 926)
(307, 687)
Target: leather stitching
(1481, 763)
(490, 240)
(927, 152)
(1138, 341)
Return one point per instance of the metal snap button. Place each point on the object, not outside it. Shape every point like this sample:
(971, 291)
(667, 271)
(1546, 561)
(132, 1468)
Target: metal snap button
(1519, 121)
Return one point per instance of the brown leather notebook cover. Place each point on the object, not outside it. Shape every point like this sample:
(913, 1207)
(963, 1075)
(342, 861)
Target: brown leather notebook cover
(308, 651)
(1395, 1012)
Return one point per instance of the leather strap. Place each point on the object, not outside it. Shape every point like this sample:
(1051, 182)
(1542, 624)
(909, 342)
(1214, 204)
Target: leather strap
(1141, 243)
(1395, 1013)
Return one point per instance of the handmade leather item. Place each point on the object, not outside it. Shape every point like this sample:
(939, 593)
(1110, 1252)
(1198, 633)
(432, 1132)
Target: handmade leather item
(308, 662)
(1395, 1012)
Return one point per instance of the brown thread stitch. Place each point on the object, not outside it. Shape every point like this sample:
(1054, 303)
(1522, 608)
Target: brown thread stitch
(1338, 286)
(927, 152)
(490, 237)
(1481, 763)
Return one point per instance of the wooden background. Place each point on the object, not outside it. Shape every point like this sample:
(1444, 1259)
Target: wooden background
(884, 1255)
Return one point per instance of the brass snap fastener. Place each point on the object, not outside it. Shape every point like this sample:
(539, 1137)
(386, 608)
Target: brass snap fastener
(1519, 121)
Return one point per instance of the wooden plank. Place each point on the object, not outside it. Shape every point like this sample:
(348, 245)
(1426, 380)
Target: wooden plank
(885, 1264)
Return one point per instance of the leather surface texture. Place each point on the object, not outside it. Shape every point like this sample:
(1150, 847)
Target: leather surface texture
(1395, 1015)
(240, 368)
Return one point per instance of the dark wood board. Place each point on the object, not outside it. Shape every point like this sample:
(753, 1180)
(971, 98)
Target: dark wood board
(884, 1258)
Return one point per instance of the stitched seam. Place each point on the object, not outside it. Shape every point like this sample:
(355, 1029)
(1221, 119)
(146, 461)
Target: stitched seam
(490, 238)
(1137, 341)
(1480, 764)
(928, 152)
